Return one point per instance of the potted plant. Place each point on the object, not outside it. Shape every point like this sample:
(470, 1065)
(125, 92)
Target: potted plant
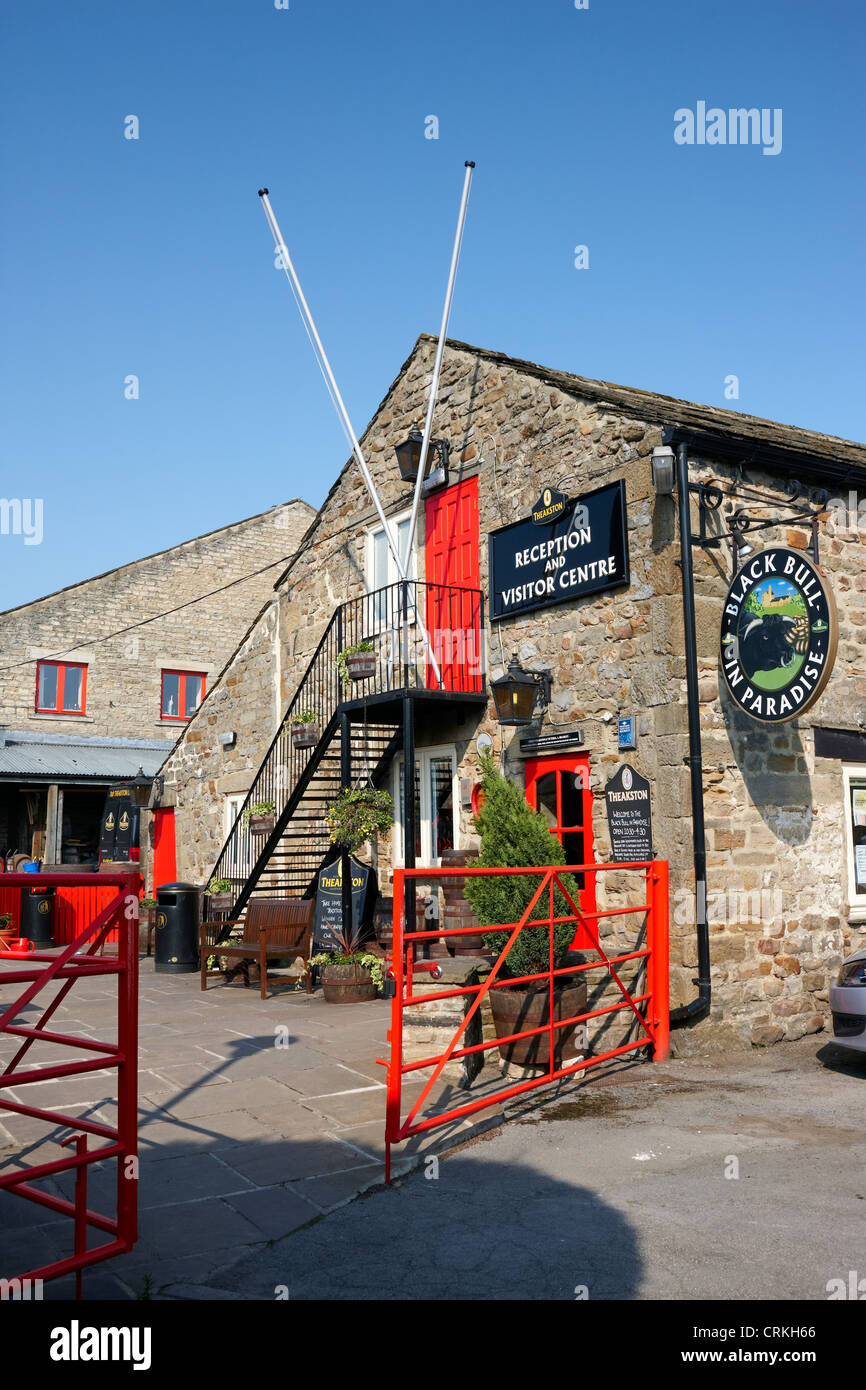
(515, 836)
(7, 931)
(219, 895)
(357, 663)
(357, 814)
(304, 728)
(349, 975)
(261, 817)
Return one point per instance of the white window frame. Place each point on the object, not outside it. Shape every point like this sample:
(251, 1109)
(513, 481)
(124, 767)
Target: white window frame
(853, 774)
(369, 560)
(424, 756)
(231, 810)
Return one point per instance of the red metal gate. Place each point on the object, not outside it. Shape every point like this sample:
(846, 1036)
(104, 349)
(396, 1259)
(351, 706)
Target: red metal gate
(75, 961)
(650, 1007)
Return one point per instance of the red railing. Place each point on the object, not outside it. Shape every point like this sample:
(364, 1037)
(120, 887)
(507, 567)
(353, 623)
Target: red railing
(75, 961)
(650, 1008)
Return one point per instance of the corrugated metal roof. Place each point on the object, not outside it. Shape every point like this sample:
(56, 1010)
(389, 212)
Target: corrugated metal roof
(65, 756)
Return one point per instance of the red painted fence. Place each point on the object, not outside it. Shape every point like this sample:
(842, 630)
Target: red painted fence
(76, 903)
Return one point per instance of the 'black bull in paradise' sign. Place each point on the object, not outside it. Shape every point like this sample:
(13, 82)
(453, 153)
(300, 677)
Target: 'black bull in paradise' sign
(779, 636)
(583, 549)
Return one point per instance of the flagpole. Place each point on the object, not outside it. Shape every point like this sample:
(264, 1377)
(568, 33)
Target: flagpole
(334, 391)
(440, 349)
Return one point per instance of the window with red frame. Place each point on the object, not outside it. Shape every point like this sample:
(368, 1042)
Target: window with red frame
(61, 687)
(182, 693)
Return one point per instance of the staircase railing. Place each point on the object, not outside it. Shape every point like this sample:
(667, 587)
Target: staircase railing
(405, 623)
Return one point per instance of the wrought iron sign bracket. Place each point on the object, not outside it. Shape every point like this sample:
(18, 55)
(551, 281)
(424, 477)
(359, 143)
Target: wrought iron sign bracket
(740, 521)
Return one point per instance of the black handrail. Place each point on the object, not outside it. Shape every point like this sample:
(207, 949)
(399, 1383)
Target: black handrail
(423, 636)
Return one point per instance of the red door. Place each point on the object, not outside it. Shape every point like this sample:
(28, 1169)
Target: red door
(559, 788)
(452, 571)
(164, 855)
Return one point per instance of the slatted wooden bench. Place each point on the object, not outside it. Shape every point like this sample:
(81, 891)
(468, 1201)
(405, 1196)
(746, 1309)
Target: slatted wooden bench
(273, 927)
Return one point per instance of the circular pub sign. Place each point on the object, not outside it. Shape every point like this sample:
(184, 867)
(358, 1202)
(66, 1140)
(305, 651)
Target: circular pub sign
(779, 636)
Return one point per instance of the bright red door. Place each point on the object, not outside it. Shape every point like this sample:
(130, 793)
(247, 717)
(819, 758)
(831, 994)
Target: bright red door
(559, 788)
(164, 853)
(453, 586)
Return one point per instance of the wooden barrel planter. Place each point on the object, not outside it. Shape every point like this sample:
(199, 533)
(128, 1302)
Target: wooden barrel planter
(305, 736)
(218, 902)
(347, 984)
(361, 666)
(262, 825)
(516, 1009)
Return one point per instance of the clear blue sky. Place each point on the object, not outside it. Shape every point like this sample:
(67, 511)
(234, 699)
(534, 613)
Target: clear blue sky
(152, 257)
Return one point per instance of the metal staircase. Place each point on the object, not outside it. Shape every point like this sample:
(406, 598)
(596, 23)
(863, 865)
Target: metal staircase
(303, 782)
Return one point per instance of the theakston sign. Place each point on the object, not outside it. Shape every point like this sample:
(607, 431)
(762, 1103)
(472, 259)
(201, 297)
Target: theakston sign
(779, 636)
(579, 549)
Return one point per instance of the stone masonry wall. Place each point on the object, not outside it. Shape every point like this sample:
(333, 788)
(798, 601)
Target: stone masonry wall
(124, 674)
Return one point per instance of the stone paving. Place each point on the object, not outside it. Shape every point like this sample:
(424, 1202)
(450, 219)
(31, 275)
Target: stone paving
(255, 1118)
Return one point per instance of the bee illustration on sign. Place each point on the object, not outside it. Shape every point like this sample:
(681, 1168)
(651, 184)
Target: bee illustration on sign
(779, 636)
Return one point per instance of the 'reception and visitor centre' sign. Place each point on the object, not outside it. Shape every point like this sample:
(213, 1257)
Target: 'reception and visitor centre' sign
(580, 550)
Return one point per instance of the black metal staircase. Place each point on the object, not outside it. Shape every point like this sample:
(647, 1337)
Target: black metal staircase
(427, 644)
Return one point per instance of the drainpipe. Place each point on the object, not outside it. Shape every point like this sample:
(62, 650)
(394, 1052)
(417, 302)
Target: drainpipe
(695, 759)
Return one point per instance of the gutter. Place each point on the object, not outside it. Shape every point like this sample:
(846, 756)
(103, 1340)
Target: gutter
(701, 1004)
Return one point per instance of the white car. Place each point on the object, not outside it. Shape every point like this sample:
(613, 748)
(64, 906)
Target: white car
(848, 1003)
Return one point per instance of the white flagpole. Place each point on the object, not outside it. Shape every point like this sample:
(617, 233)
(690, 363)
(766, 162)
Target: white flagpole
(440, 348)
(339, 405)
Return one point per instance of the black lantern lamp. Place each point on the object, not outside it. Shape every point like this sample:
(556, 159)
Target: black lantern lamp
(141, 786)
(409, 459)
(516, 693)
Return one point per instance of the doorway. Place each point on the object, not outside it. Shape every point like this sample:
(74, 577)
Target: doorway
(559, 788)
(452, 573)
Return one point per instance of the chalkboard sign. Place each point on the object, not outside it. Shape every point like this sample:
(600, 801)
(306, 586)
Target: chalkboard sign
(329, 901)
(629, 817)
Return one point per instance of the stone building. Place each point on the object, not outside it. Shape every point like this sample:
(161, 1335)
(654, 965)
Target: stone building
(784, 802)
(101, 677)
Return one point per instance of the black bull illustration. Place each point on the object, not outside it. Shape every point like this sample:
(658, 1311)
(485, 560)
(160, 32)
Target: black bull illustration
(772, 641)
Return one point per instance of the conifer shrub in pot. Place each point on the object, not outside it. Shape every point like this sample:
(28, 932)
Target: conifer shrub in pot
(515, 836)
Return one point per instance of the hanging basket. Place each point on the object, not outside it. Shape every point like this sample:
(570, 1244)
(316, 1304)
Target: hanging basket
(361, 666)
(262, 825)
(305, 735)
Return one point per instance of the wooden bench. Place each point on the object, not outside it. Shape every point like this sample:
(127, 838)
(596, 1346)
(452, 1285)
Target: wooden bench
(273, 927)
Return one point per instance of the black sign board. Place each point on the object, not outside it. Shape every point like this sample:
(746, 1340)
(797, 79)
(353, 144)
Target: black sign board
(329, 901)
(629, 816)
(551, 743)
(582, 550)
(118, 830)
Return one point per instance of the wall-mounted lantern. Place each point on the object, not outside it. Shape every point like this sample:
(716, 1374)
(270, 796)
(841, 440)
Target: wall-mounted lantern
(664, 470)
(409, 458)
(141, 786)
(517, 693)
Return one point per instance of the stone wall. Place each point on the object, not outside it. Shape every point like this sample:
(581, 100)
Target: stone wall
(774, 817)
(124, 673)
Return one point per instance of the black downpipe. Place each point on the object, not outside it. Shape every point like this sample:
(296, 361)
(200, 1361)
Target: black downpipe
(695, 758)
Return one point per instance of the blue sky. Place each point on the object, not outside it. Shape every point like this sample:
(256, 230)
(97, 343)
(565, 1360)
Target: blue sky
(152, 256)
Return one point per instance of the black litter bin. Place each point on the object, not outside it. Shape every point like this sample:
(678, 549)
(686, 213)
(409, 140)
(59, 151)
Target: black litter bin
(177, 928)
(37, 915)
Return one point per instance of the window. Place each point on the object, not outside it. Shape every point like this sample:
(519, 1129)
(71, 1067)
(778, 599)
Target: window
(854, 778)
(435, 799)
(61, 687)
(381, 566)
(182, 693)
